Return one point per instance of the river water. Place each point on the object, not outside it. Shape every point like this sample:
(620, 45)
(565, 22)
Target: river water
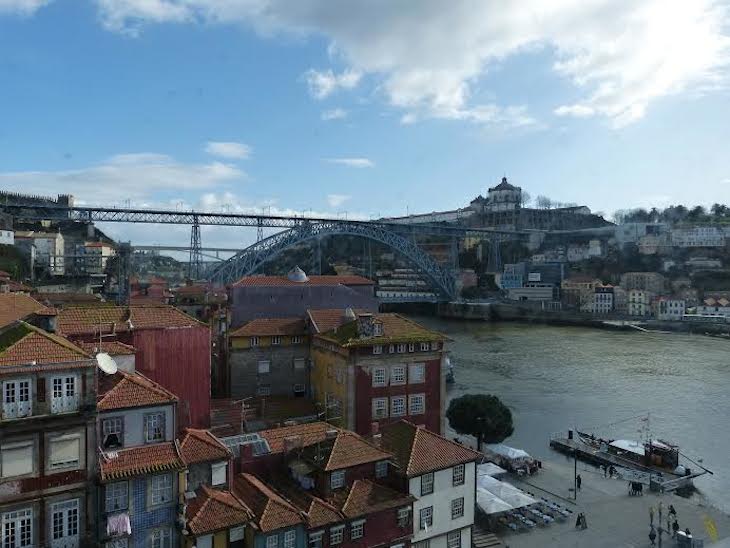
(554, 378)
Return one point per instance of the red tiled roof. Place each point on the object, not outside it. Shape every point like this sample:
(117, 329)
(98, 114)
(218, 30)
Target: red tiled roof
(278, 281)
(113, 348)
(309, 434)
(123, 390)
(138, 461)
(202, 446)
(56, 299)
(318, 511)
(326, 319)
(270, 510)
(367, 497)
(117, 319)
(27, 344)
(16, 306)
(396, 329)
(418, 451)
(212, 510)
(349, 449)
(225, 413)
(271, 326)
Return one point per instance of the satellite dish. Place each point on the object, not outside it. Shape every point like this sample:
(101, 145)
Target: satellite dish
(106, 363)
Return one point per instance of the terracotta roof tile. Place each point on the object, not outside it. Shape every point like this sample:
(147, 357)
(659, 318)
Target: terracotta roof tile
(23, 344)
(269, 281)
(124, 390)
(65, 298)
(326, 319)
(212, 510)
(113, 348)
(117, 319)
(138, 461)
(366, 497)
(271, 511)
(417, 451)
(309, 433)
(202, 446)
(16, 306)
(346, 450)
(271, 326)
(318, 511)
(396, 329)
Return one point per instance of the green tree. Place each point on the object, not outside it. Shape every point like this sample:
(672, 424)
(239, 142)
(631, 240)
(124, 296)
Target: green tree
(480, 415)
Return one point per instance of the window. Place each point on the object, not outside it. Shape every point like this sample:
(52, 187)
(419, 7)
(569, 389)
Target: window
(377, 329)
(112, 432)
(380, 408)
(206, 541)
(16, 399)
(434, 345)
(401, 348)
(263, 390)
(423, 544)
(65, 522)
(65, 451)
(64, 394)
(299, 388)
(398, 374)
(299, 364)
(17, 528)
(378, 349)
(254, 341)
(160, 489)
(236, 533)
(315, 539)
(154, 427)
(453, 540)
(397, 406)
(416, 404)
(411, 347)
(296, 339)
(426, 516)
(218, 473)
(161, 538)
(115, 496)
(379, 376)
(276, 340)
(118, 543)
(337, 534)
(337, 479)
(16, 459)
(357, 529)
(391, 348)
(457, 508)
(416, 373)
(264, 366)
(458, 474)
(289, 538)
(272, 541)
(427, 484)
(424, 347)
(403, 516)
(381, 469)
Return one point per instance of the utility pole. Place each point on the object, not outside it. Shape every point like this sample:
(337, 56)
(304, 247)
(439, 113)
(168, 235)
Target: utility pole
(575, 474)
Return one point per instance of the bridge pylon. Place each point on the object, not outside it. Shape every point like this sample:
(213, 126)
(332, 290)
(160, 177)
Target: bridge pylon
(195, 263)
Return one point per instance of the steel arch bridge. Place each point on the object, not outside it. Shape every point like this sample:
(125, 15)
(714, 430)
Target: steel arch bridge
(247, 261)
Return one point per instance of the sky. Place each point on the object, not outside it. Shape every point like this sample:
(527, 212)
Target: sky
(363, 108)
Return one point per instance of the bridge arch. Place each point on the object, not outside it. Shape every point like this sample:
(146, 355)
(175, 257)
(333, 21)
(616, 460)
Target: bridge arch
(247, 261)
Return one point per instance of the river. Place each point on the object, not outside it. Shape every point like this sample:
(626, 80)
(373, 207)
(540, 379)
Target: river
(553, 378)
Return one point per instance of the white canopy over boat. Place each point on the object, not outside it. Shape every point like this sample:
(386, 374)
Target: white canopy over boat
(506, 451)
(629, 445)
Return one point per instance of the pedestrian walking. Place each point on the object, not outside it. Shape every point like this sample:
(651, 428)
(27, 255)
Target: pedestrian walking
(651, 516)
(672, 511)
(605, 470)
(578, 481)
(585, 523)
(661, 509)
(675, 528)
(652, 535)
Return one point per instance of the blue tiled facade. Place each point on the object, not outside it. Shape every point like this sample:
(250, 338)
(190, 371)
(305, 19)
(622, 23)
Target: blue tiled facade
(142, 519)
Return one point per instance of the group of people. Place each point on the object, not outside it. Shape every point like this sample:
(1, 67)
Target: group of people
(671, 519)
(608, 471)
(580, 521)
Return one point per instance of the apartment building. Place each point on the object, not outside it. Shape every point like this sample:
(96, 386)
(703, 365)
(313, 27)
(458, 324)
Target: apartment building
(48, 441)
(644, 281)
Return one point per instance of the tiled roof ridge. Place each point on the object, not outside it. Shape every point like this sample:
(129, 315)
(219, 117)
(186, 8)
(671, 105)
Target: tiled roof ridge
(218, 496)
(205, 436)
(140, 380)
(423, 433)
(50, 336)
(341, 434)
(411, 451)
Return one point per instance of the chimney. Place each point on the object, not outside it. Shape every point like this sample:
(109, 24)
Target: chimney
(365, 325)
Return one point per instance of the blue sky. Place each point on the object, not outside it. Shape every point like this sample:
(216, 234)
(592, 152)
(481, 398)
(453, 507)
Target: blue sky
(374, 108)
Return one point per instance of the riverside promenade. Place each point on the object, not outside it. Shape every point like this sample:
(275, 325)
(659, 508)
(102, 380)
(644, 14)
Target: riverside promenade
(615, 520)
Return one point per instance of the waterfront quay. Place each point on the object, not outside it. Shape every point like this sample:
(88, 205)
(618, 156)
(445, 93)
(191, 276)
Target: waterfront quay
(615, 519)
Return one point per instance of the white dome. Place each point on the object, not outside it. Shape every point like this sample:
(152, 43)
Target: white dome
(296, 274)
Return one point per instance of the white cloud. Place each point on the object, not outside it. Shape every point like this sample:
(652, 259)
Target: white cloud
(135, 177)
(620, 54)
(352, 162)
(22, 7)
(726, 181)
(324, 84)
(336, 200)
(229, 150)
(334, 114)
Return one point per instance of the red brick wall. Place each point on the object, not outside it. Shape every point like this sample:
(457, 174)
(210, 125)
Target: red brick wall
(365, 392)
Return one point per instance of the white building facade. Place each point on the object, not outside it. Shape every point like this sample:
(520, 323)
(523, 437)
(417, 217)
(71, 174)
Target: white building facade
(670, 309)
(699, 236)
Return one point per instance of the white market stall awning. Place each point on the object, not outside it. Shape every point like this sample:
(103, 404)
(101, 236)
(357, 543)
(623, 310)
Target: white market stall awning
(490, 469)
(505, 492)
(489, 503)
(506, 451)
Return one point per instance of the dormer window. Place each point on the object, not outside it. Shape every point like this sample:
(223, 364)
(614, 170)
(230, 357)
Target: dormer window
(337, 479)
(378, 329)
(112, 433)
(377, 349)
(154, 427)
